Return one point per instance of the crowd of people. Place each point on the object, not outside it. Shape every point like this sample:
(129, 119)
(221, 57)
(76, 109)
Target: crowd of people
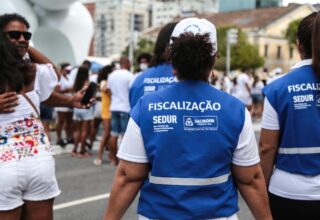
(185, 132)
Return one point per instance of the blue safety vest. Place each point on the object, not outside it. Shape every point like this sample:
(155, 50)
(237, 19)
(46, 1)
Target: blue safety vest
(296, 99)
(190, 131)
(151, 80)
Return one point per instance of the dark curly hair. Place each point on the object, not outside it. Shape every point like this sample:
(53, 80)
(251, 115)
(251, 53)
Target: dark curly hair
(191, 56)
(14, 71)
(5, 19)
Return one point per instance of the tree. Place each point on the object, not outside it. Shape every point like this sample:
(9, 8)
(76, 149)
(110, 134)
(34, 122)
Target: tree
(243, 54)
(291, 32)
(143, 46)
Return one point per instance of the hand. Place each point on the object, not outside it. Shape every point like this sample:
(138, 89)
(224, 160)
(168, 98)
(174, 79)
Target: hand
(76, 101)
(8, 101)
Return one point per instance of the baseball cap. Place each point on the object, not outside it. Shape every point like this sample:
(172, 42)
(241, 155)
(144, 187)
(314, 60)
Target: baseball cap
(197, 26)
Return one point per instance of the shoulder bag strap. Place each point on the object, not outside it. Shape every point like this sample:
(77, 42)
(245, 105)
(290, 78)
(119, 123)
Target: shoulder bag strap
(31, 103)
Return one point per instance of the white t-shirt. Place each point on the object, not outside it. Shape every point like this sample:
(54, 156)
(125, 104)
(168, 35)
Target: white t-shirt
(257, 88)
(282, 183)
(73, 74)
(242, 91)
(246, 153)
(65, 83)
(45, 82)
(119, 83)
(227, 84)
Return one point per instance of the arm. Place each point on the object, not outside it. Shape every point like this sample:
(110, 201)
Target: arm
(37, 57)
(250, 182)
(248, 88)
(126, 184)
(57, 99)
(8, 101)
(269, 142)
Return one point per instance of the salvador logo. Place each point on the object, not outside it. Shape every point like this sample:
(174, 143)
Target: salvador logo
(189, 122)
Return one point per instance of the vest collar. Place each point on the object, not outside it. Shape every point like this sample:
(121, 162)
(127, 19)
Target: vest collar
(302, 63)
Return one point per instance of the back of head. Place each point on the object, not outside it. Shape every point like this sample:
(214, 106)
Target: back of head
(193, 48)
(86, 63)
(316, 44)
(125, 63)
(81, 78)
(308, 35)
(104, 72)
(160, 54)
(5, 19)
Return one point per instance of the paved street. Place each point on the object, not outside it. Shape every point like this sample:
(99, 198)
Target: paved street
(85, 187)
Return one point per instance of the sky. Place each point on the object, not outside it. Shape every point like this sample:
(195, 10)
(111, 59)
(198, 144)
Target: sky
(286, 2)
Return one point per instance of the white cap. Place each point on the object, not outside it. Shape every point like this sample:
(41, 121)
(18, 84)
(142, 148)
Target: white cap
(197, 26)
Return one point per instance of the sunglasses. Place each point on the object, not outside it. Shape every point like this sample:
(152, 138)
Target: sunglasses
(17, 35)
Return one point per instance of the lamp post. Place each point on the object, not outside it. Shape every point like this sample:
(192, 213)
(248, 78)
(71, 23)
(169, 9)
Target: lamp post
(232, 38)
(131, 38)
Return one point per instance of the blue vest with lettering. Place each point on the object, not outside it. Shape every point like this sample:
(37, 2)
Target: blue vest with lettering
(152, 79)
(190, 131)
(296, 99)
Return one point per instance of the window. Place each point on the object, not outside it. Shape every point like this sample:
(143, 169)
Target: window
(266, 47)
(291, 52)
(278, 52)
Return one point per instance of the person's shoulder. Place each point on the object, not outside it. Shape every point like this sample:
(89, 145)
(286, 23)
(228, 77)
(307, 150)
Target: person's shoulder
(44, 67)
(159, 70)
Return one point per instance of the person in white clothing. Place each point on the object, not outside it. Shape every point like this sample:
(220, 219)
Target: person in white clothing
(119, 83)
(65, 86)
(25, 152)
(244, 88)
(257, 97)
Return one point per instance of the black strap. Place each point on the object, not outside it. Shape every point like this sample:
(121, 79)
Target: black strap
(31, 103)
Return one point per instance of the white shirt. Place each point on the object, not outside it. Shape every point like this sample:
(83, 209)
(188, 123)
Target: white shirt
(242, 91)
(119, 83)
(45, 81)
(65, 83)
(257, 88)
(282, 183)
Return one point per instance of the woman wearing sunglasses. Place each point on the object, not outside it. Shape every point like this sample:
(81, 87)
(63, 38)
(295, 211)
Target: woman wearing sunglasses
(28, 184)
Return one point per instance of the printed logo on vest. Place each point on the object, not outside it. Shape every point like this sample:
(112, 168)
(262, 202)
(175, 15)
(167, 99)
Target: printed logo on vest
(163, 123)
(188, 122)
(318, 100)
(200, 123)
(303, 101)
(149, 89)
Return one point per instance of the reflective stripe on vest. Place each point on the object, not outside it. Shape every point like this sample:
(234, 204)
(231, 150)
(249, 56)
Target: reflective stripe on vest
(188, 181)
(297, 150)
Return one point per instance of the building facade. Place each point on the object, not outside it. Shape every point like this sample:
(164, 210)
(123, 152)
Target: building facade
(113, 24)
(232, 5)
(265, 28)
(164, 11)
